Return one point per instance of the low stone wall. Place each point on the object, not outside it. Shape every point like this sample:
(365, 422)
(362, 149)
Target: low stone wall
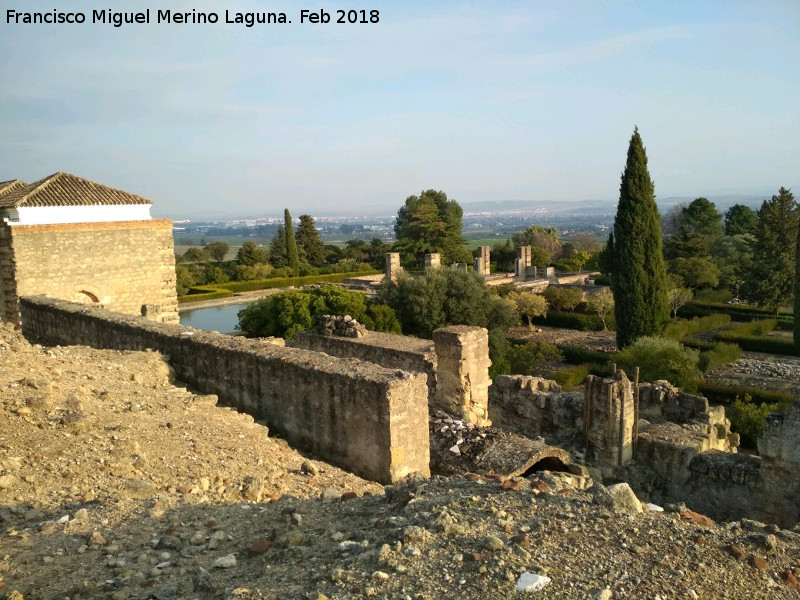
(456, 363)
(368, 419)
(385, 349)
(535, 407)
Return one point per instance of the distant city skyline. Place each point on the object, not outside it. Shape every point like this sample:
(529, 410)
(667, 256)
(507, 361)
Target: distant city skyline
(485, 101)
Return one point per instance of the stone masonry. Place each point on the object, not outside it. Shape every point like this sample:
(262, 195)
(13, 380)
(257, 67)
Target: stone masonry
(456, 363)
(363, 417)
(393, 267)
(433, 260)
(609, 419)
(483, 263)
(462, 384)
(121, 265)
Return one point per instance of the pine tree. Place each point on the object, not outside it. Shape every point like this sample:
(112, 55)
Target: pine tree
(291, 243)
(639, 277)
(772, 279)
(309, 244)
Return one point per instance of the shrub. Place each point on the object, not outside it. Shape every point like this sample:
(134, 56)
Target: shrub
(286, 313)
(678, 328)
(661, 358)
(751, 336)
(527, 359)
(563, 298)
(720, 354)
(577, 355)
(602, 280)
(747, 418)
(570, 377)
(722, 393)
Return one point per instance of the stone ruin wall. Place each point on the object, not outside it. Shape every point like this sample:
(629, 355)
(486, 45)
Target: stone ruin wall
(535, 407)
(455, 363)
(121, 265)
(363, 417)
(385, 349)
(609, 419)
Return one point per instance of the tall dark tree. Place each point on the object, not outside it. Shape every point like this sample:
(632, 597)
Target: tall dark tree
(277, 249)
(699, 226)
(218, 251)
(292, 255)
(740, 219)
(639, 275)
(796, 332)
(309, 244)
(250, 254)
(772, 280)
(431, 223)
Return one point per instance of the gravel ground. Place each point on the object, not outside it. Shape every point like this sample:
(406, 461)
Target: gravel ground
(117, 483)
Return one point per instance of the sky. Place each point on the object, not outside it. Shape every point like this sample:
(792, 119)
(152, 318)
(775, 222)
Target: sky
(487, 101)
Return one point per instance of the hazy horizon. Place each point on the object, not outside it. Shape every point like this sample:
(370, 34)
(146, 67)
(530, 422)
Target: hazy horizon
(512, 100)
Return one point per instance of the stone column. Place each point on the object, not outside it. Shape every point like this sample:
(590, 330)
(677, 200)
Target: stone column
(393, 267)
(522, 263)
(433, 260)
(462, 372)
(608, 419)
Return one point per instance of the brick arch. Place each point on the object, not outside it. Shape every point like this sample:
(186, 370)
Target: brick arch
(88, 294)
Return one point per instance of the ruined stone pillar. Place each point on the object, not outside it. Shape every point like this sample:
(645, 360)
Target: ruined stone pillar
(608, 419)
(522, 263)
(393, 267)
(433, 260)
(485, 260)
(462, 372)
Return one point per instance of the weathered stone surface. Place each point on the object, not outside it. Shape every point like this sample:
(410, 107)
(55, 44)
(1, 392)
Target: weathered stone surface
(101, 263)
(462, 372)
(369, 419)
(780, 437)
(608, 419)
(535, 407)
(619, 498)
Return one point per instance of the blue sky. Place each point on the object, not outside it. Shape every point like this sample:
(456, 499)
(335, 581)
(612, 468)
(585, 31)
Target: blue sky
(525, 100)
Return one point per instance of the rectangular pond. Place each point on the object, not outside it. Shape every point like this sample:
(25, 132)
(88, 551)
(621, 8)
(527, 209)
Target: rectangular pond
(215, 318)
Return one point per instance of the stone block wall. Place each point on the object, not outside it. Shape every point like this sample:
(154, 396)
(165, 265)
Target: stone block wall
(462, 375)
(119, 265)
(455, 363)
(393, 267)
(363, 417)
(385, 349)
(608, 419)
(433, 260)
(533, 406)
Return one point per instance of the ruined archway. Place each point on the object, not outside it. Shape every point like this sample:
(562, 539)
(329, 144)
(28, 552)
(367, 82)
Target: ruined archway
(85, 297)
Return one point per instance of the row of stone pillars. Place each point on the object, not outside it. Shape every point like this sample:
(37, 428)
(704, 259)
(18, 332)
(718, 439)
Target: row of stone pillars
(523, 270)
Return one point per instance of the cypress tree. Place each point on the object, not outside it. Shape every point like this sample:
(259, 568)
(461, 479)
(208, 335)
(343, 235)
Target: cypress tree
(291, 243)
(796, 332)
(639, 278)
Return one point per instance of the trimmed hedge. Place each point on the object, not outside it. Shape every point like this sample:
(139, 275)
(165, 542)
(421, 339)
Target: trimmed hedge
(720, 354)
(577, 355)
(198, 293)
(225, 290)
(737, 312)
(722, 393)
(683, 327)
(751, 336)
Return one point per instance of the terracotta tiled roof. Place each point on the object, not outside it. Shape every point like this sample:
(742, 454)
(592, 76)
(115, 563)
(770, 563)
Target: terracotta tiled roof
(10, 186)
(64, 189)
